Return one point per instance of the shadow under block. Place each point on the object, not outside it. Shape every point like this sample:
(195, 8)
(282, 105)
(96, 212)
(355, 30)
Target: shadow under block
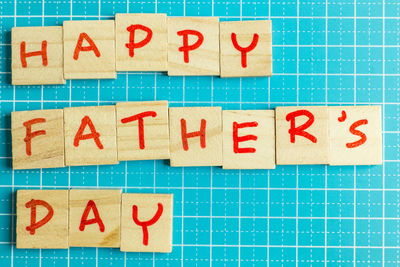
(96, 58)
(148, 49)
(355, 135)
(204, 60)
(45, 65)
(259, 57)
(94, 218)
(156, 208)
(148, 120)
(52, 207)
(248, 139)
(204, 148)
(90, 136)
(37, 139)
(310, 144)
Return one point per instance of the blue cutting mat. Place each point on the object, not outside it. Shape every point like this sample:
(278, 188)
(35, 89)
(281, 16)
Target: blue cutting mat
(325, 52)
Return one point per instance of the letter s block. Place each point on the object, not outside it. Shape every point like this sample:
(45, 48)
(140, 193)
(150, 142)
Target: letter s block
(42, 219)
(37, 139)
(37, 55)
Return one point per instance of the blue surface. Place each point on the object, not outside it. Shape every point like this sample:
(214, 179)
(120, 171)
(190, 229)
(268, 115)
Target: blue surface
(325, 52)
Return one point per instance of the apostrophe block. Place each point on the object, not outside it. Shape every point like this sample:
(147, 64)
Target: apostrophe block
(94, 218)
(89, 49)
(302, 135)
(248, 139)
(141, 42)
(355, 135)
(193, 46)
(195, 136)
(90, 136)
(142, 130)
(42, 219)
(246, 48)
(37, 55)
(37, 139)
(146, 222)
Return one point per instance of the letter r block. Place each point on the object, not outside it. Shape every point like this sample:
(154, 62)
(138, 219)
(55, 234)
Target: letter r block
(50, 229)
(146, 222)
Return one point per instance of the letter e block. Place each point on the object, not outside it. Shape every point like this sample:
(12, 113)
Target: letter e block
(50, 228)
(90, 136)
(193, 46)
(37, 139)
(249, 139)
(37, 55)
(302, 135)
(142, 130)
(146, 222)
(195, 136)
(94, 218)
(246, 48)
(355, 135)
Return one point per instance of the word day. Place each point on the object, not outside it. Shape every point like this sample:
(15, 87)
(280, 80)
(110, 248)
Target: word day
(94, 218)
(141, 42)
(197, 136)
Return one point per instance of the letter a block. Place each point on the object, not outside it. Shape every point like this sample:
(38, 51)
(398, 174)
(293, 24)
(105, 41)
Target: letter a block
(37, 139)
(89, 49)
(195, 136)
(249, 139)
(246, 48)
(142, 130)
(146, 222)
(302, 135)
(42, 219)
(90, 136)
(141, 42)
(193, 46)
(355, 135)
(37, 55)
(94, 218)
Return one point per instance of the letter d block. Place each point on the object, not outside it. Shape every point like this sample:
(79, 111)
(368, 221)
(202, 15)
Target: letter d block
(50, 228)
(37, 139)
(146, 222)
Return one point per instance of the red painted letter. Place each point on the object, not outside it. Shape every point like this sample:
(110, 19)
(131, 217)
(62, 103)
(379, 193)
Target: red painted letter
(132, 45)
(185, 48)
(93, 134)
(90, 47)
(363, 137)
(29, 134)
(84, 221)
(139, 117)
(237, 139)
(35, 225)
(150, 222)
(244, 50)
(293, 131)
(42, 53)
(201, 134)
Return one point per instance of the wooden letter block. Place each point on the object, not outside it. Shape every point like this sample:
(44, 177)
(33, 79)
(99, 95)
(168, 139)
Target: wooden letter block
(193, 46)
(195, 136)
(141, 42)
(249, 139)
(90, 136)
(37, 139)
(42, 219)
(246, 48)
(355, 135)
(89, 49)
(37, 55)
(142, 130)
(146, 222)
(302, 135)
(94, 218)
